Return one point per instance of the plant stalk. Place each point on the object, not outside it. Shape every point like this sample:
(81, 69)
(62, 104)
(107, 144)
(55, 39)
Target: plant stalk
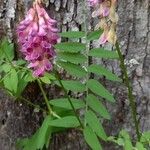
(68, 97)
(129, 87)
(87, 51)
(46, 101)
(32, 104)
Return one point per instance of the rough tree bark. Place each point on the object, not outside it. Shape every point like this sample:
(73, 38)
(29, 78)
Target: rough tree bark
(17, 120)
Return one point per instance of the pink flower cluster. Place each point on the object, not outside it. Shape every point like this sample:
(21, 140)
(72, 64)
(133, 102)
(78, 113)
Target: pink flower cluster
(37, 34)
(106, 10)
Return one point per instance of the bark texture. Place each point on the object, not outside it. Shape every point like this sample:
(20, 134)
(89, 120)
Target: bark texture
(17, 120)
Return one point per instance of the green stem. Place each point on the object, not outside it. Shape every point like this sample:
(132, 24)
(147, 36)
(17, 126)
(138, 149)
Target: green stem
(129, 87)
(68, 97)
(46, 100)
(32, 104)
(23, 99)
(87, 51)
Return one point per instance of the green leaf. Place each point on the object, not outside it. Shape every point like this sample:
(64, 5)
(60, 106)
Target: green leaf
(11, 81)
(94, 35)
(111, 139)
(39, 139)
(20, 62)
(102, 53)
(100, 70)
(51, 76)
(72, 34)
(127, 140)
(73, 47)
(64, 103)
(7, 49)
(97, 106)
(120, 141)
(76, 58)
(140, 146)
(6, 82)
(99, 89)
(124, 134)
(73, 69)
(6, 67)
(128, 145)
(62, 111)
(29, 77)
(145, 138)
(45, 79)
(65, 122)
(14, 80)
(91, 139)
(95, 124)
(1, 52)
(74, 86)
(22, 83)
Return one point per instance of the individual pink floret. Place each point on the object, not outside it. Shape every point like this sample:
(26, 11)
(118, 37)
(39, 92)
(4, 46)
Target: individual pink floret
(94, 2)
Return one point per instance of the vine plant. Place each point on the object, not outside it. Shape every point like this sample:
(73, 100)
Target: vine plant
(46, 55)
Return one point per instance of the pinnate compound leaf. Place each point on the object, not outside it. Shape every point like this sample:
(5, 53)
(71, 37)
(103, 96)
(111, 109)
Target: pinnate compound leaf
(65, 122)
(95, 124)
(76, 58)
(99, 89)
(97, 106)
(64, 103)
(91, 139)
(73, 69)
(72, 47)
(39, 139)
(102, 53)
(100, 70)
(72, 34)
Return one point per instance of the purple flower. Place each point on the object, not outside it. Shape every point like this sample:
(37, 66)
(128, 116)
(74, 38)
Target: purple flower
(94, 2)
(37, 34)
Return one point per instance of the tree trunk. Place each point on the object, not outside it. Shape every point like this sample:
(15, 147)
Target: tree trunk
(18, 120)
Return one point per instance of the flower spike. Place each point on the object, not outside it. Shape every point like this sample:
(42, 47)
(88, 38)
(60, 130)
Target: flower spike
(106, 10)
(37, 34)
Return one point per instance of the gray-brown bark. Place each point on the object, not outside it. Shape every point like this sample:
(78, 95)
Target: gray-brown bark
(18, 121)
